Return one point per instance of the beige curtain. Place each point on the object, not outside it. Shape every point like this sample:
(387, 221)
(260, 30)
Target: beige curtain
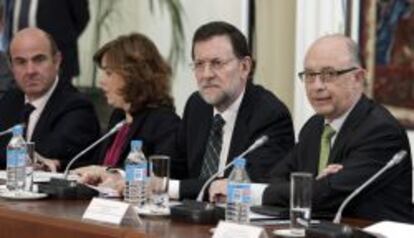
(275, 44)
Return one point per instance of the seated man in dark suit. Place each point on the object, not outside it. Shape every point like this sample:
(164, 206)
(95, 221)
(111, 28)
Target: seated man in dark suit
(358, 138)
(59, 119)
(227, 114)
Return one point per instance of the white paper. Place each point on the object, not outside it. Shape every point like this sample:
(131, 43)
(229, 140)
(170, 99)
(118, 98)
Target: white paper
(105, 191)
(391, 229)
(230, 229)
(42, 176)
(104, 210)
(256, 216)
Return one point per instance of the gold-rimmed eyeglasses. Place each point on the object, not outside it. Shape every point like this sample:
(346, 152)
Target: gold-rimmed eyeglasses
(215, 65)
(326, 75)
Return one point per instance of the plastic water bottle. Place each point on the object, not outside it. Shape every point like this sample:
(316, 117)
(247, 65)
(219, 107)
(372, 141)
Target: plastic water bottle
(136, 168)
(238, 194)
(16, 160)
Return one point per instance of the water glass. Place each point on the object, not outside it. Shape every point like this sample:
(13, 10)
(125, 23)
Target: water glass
(159, 179)
(300, 202)
(30, 161)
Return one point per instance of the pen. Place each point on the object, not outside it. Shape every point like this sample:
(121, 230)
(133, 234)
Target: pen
(267, 221)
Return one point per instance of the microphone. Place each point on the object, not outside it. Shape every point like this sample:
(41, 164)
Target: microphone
(396, 159)
(259, 142)
(334, 230)
(80, 154)
(201, 212)
(64, 188)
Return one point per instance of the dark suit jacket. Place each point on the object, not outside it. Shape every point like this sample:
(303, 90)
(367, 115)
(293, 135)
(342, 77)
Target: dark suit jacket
(368, 139)
(64, 20)
(156, 128)
(260, 113)
(67, 124)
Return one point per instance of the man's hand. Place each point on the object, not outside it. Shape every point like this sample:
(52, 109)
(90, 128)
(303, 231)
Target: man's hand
(218, 191)
(114, 181)
(92, 174)
(46, 164)
(330, 169)
(99, 176)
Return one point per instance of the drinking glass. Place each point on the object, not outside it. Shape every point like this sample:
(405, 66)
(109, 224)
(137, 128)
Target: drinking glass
(159, 179)
(30, 161)
(300, 202)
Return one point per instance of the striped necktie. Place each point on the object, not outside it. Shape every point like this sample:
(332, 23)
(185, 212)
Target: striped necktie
(213, 148)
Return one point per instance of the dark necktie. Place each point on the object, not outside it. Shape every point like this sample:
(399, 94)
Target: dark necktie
(24, 14)
(213, 148)
(8, 22)
(27, 110)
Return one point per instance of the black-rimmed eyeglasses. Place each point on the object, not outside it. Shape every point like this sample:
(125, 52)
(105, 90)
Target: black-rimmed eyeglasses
(326, 75)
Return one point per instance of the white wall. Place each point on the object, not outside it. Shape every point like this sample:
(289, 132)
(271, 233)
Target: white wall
(314, 19)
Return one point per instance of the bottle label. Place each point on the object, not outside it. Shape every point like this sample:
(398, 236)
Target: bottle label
(16, 157)
(136, 172)
(238, 192)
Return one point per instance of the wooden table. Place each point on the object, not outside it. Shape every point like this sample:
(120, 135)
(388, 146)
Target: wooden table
(62, 219)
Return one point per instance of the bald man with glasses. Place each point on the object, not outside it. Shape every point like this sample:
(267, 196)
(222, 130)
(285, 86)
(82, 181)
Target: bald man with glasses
(348, 140)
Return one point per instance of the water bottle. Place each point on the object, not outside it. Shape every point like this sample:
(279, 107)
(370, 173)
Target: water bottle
(136, 168)
(16, 160)
(238, 194)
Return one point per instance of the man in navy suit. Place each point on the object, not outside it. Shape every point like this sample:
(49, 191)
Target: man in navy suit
(59, 119)
(228, 100)
(364, 136)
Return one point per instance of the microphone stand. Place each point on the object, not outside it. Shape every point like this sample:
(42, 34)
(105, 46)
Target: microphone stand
(336, 230)
(259, 142)
(64, 188)
(203, 212)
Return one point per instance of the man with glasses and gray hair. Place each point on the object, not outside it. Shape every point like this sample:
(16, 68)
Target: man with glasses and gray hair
(348, 140)
(227, 114)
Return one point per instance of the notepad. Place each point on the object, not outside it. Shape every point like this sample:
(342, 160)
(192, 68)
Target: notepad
(388, 229)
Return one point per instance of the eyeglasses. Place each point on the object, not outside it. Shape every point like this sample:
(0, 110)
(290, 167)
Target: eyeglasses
(215, 64)
(326, 75)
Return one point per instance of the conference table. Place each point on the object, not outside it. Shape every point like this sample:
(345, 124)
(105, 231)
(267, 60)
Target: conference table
(63, 219)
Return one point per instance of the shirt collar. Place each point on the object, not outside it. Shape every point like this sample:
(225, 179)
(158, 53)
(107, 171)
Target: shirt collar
(41, 102)
(230, 113)
(337, 123)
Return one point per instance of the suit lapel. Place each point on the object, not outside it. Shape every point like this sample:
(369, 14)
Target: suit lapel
(313, 144)
(199, 139)
(134, 130)
(45, 117)
(239, 140)
(348, 128)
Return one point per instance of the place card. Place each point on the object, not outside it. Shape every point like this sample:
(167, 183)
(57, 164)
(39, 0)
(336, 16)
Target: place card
(231, 229)
(110, 211)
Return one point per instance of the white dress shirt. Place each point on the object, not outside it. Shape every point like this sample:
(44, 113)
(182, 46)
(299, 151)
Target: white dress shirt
(229, 116)
(39, 105)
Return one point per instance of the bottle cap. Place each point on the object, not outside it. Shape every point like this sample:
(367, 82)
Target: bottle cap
(240, 162)
(136, 144)
(17, 130)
